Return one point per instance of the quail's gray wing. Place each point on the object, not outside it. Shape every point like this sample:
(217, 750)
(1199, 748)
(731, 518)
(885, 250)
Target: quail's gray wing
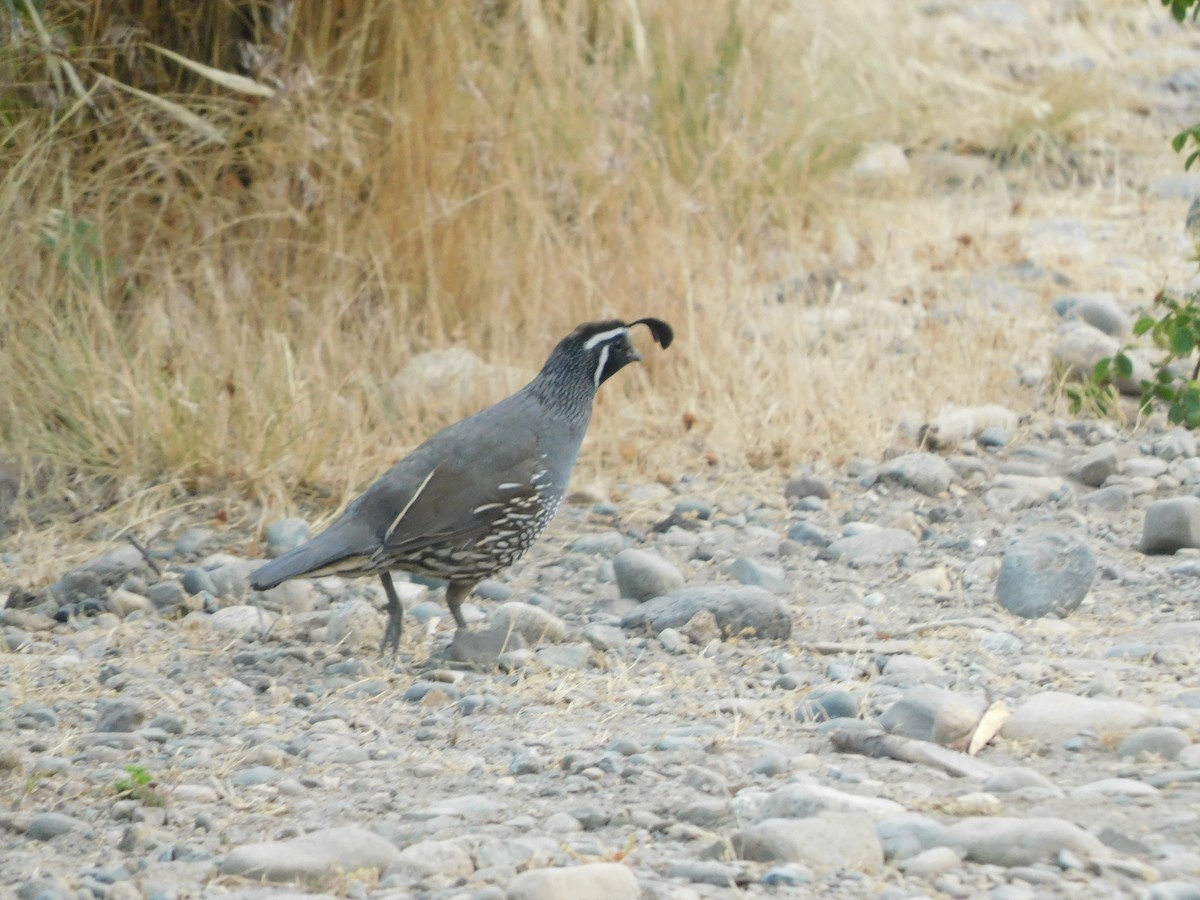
(462, 497)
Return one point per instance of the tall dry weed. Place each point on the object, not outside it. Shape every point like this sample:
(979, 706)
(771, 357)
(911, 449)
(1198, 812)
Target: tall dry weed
(215, 291)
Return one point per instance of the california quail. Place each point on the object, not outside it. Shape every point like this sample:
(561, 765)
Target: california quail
(472, 499)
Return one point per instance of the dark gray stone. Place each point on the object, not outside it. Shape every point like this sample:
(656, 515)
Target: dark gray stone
(739, 610)
(927, 473)
(642, 575)
(1171, 524)
(120, 715)
(1045, 574)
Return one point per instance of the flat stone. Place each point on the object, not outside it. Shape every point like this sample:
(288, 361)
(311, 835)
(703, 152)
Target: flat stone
(1045, 574)
(1055, 716)
(242, 620)
(591, 881)
(1015, 778)
(313, 856)
(120, 715)
(926, 473)
(930, 713)
(1100, 310)
(1011, 841)
(807, 486)
(1163, 742)
(481, 650)
(802, 799)
(47, 825)
(825, 842)
(534, 624)
(1171, 524)
(906, 835)
(874, 545)
(930, 863)
(1096, 466)
(752, 572)
(425, 859)
(642, 575)
(739, 610)
(125, 603)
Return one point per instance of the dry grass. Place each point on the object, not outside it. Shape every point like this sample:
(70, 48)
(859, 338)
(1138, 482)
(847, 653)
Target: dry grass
(220, 304)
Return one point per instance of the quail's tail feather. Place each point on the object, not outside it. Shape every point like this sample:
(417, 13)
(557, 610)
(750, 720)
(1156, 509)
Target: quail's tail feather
(326, 554)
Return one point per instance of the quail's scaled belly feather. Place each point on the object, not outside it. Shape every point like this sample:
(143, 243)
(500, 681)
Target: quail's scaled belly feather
(475, 496)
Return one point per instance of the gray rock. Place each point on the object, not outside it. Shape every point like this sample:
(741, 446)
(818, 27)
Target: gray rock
(285, 535)
(804, 799)
(1054, 716)
(1113, 498)
(807, 533)
(120, 715)
(1012, 841)
(907, 835)
(701, 871)
(928, 864)
(591, 881)
(1163, 742)
(196, 580)
(807, 486)
(534, 624)
(311, 857)
(1100, 310)
(930, 713)
(1171, 524)
(825, 842)
(753, 573)
(824, 704)
(168, 596)
(642, 575)
(1009, 493)
(737, 609)
(874, 545)
(425, 859)
(251, 621)
(1175, 890)
(124, 603)
(1016, 778)
(1096, 466)
(927, 473)
(1045, 574)
(47, 825)
(481, 650)
(1177, 444)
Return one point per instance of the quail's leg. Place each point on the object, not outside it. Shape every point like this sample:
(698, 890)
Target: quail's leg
(395, 622)
(456, 593)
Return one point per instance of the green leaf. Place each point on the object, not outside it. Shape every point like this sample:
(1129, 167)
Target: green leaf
(1179, 141)
(1143, 324)
(1124, 365)
(1182, 342)
(1100, 372)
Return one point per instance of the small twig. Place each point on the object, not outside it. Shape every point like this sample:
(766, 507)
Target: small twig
(970, 622)
(141, 548)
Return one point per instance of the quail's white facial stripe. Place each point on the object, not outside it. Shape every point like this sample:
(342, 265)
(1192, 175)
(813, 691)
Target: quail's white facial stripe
(604, 336)
(603, 363)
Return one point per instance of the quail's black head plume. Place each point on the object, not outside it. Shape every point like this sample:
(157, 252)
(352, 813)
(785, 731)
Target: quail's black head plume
(472, 499)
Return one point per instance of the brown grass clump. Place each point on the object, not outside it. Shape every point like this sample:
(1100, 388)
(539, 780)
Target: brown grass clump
(213, 275)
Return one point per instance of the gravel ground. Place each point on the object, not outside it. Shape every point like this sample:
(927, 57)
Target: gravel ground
(954, 671)
(161, 742)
